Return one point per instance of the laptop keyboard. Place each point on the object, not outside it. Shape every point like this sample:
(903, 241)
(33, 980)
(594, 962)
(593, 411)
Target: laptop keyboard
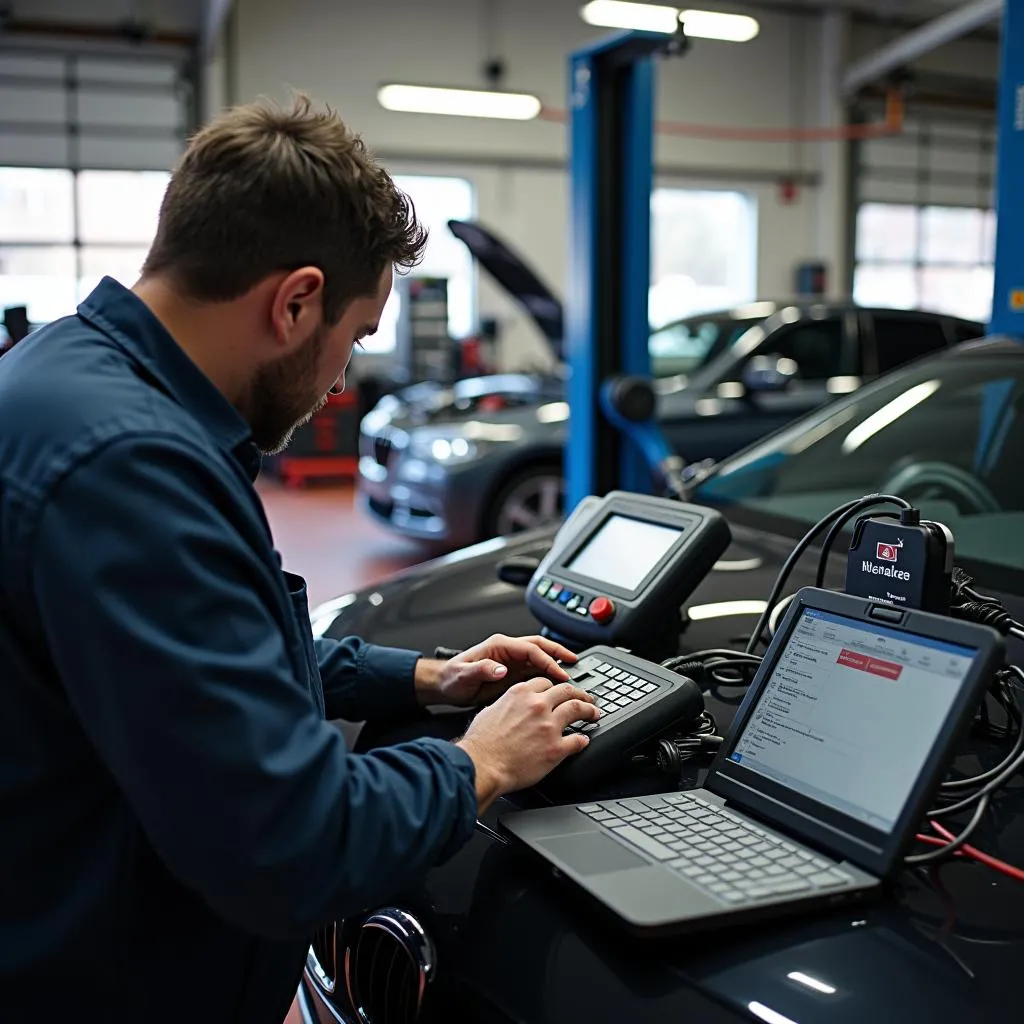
(613, 689)
(729, 858)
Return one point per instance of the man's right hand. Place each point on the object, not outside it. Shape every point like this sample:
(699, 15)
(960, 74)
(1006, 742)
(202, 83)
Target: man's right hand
(516, 741)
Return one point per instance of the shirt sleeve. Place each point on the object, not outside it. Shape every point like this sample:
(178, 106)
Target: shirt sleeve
(364, 681)
(166, 629)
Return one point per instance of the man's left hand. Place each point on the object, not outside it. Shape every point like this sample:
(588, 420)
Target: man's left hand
(486, 671)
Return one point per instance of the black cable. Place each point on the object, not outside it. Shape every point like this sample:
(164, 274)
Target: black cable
(967, 603)
(717, 666)
(951, 847)
(830, 539)
(850, 509)
(1006, 769)
(1009, 704)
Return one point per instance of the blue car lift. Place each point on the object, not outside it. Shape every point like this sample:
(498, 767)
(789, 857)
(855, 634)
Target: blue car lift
(611, 99)
(1008, 291)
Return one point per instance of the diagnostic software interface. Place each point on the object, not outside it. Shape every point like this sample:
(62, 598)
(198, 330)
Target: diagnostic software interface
(624, 551)
(851, 712)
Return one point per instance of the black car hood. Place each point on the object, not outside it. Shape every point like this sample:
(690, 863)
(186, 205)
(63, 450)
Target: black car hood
(457, 599)
(513, 274)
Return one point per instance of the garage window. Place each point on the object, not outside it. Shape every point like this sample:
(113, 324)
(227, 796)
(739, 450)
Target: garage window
(703, 252)
(929, 257)
(61, 231)
(437, 200)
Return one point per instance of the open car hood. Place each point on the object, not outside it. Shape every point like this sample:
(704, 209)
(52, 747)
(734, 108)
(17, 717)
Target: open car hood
(511, 272)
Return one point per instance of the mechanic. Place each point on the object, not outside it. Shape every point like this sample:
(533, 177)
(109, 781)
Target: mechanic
(177, 814)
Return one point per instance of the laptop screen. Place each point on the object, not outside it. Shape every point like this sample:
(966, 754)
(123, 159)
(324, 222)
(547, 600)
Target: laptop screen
(851, 712)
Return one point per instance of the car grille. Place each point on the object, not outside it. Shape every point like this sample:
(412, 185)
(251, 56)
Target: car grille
(323, 956)
(389, 964)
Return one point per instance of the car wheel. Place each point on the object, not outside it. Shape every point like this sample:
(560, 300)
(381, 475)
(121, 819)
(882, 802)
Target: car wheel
(533, 497)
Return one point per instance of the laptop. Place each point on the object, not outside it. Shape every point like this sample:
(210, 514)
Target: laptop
(812, 800)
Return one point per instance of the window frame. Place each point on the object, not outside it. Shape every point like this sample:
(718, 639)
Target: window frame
(917, 262)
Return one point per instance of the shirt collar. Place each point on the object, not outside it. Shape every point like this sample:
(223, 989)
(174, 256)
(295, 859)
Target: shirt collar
(132, 325)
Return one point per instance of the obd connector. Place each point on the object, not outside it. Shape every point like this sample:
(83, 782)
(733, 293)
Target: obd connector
(905, 561)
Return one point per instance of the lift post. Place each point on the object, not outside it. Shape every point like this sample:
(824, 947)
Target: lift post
(1008, 291)
(611, 100)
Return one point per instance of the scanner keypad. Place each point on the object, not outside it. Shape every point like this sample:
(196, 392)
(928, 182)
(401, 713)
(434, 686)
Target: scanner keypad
(731, 859)
(613, 689)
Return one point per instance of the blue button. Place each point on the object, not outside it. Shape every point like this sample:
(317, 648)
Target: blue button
(565, 596)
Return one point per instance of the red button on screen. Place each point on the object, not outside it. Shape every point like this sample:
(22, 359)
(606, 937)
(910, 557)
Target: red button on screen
(601, 610)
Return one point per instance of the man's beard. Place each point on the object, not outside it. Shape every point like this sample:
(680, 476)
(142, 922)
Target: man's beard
(284, 396)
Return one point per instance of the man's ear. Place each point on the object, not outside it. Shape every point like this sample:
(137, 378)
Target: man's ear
(297, 306)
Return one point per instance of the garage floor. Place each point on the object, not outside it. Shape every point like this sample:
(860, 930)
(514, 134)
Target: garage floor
(322, 536)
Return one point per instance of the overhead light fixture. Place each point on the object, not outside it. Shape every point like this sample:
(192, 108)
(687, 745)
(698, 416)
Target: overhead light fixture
(427, 99)
(730, 28)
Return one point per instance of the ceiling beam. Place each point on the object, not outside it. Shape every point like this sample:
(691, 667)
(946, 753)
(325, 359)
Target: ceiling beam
(920, 41)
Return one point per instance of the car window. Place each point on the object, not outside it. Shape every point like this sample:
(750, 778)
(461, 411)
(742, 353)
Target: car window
(686, 345)
(946, 433)
(815, 346)
(901, 339)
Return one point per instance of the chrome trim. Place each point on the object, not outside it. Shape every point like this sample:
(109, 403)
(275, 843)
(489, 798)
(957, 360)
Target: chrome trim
(324, 947)
(310, 1015)
(411, 938)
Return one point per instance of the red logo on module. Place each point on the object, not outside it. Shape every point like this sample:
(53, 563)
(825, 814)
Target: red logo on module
(887, 552)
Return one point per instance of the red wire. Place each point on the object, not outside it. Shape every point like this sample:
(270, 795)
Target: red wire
(970, 851)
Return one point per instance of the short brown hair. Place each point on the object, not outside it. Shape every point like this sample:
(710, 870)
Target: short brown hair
(262, 189)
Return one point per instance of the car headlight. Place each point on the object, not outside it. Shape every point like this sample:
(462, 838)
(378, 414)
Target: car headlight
(446, 449)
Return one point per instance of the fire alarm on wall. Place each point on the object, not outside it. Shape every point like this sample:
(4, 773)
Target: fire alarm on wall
(787, 190)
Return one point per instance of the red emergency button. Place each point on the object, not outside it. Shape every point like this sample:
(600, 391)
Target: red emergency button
(602, 610)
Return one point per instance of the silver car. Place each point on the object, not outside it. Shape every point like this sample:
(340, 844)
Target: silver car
(482, 457)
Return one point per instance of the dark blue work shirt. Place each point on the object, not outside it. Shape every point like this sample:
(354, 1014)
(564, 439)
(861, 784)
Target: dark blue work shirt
(176, 815)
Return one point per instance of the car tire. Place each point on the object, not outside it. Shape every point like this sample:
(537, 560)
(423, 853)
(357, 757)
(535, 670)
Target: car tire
(534, 496)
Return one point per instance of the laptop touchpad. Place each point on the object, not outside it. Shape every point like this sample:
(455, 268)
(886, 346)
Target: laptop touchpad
(592, 853)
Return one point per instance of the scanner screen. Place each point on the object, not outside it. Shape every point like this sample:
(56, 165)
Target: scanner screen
(624, 551)
(851, 713)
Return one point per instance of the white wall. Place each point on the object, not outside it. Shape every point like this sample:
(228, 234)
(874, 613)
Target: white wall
(340, 52)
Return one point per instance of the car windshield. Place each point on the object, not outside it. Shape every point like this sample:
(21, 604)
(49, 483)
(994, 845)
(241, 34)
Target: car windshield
(686, 345)
(947, 434)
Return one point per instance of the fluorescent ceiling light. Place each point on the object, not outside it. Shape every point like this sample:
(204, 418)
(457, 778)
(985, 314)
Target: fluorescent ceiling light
(731, 28)
(426, 99)
(642, 17)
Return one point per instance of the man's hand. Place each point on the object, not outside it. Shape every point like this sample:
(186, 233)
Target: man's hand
(517, 740)
(482, 673)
